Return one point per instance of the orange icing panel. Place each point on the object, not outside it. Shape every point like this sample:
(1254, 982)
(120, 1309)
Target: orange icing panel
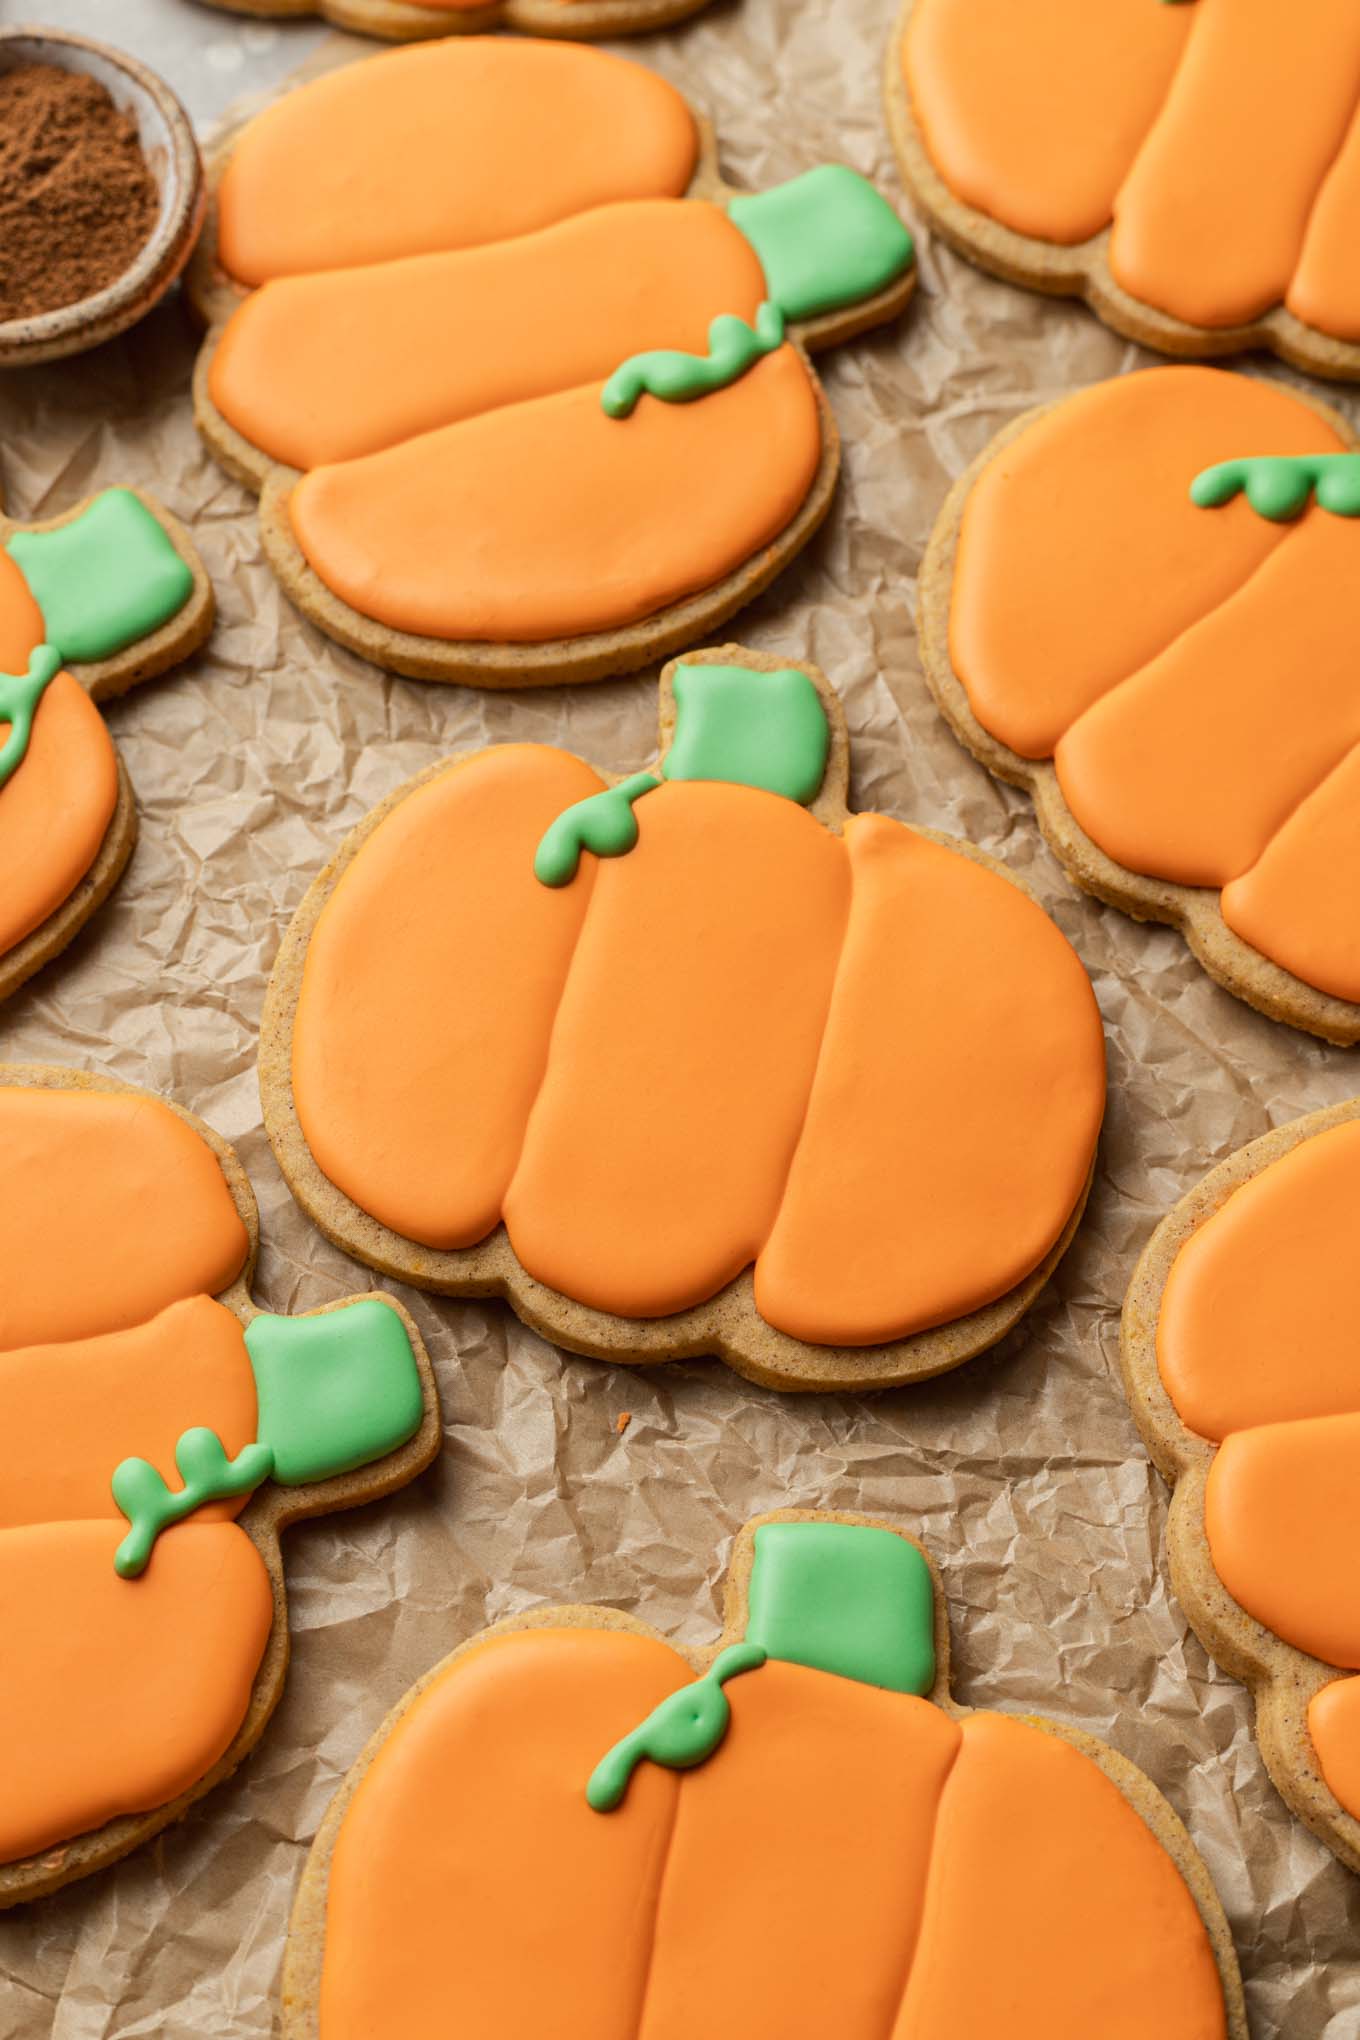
(1334, 1724)
(326, 367)
(1081, 556)
(89, 1177)
(956, 1106)
(772, 1893)
(70, 1413)
(646, 1041)
(173, 1655)
(1282, 1511)
(1218, 139)
(1021, 1938)
(1325, 291)
(551, 520)
(472, 1889)
(817, 1776)
(1297, 905)
(1257, 1320)
(429, 992)
(55, 809)
(1191, 670)
(1211, 220)
(1189, 768)
(21, 624)
(683, 1052)
(1034, 114)
(447, 145)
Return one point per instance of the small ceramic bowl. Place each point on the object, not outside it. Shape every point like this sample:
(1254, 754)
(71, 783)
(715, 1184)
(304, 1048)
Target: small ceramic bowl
(172, 156)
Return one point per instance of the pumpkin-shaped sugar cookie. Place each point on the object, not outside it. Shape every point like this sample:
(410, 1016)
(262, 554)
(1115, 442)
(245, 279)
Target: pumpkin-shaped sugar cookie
(1141, 604)
(696, 1062)
(1192, 170)
(157, 1433)
(522, 385)
(410, 20)
(573, 1827)
(1239, 1359)
(91, 602)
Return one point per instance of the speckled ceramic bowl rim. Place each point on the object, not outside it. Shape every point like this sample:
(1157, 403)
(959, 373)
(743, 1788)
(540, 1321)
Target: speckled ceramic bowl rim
(69, 329)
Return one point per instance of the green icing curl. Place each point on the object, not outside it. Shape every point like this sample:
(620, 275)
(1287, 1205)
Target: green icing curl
(684, 1730)
(208, 1476)
(1278, 486)
(677, 378)
(604, 822)
(20, 694)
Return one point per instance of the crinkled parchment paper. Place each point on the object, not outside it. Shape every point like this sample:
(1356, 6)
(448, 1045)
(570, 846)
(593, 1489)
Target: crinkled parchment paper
(1023, 1470)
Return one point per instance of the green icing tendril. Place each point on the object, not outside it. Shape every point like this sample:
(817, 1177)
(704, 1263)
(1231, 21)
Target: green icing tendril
(103, 579)
(683, 1731)
(677, 378)
(1278, 486)
(20, 694)
(604, 822)
(208, 1476)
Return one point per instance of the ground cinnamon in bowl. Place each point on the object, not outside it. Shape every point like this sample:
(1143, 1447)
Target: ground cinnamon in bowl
(77, 199)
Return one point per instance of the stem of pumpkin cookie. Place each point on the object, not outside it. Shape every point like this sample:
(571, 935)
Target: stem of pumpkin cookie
(749, 727)
(825, 240)
(684, 1730)
(334, 1392)
(104, 578)
(845, 1598)
(20, 694)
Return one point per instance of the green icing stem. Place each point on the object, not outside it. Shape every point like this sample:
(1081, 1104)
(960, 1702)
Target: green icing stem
(733, 347)
(750, 728)
(208, 1476)
(20, 694)
(103, 579)
(826, 240)
(604, 822)
(844, 1598)
(336, 1390)
(681, 1732)
(1278, 486)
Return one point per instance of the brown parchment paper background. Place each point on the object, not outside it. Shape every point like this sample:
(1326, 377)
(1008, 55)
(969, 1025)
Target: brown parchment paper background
(1023, 1470)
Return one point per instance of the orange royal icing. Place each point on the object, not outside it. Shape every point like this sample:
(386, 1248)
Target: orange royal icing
(861, 1062)
(459, 244)
(173, 1656)
(111, 1207)
(1255, 1340)
(453, 535)
(449, 145)
(70, 1413)
(1190, 670)
(835, 1866)
(56, 809)
(326, 367)
(1334, 1725)
(1221, 142)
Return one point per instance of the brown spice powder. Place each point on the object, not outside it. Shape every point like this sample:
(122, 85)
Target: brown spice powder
(77, 201)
